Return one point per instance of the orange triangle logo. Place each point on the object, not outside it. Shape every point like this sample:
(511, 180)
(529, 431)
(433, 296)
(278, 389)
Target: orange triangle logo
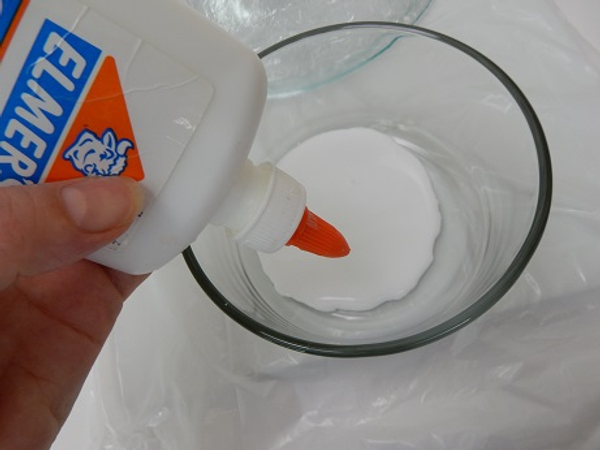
(101, 141)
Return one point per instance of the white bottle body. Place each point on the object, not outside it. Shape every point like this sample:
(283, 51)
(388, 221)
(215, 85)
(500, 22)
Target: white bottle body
(194, 97)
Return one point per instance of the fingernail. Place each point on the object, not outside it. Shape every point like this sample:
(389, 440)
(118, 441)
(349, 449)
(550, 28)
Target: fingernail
(100, 204)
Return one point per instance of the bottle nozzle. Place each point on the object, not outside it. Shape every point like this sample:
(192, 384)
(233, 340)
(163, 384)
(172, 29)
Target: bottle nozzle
(266, 206)
(316, 236)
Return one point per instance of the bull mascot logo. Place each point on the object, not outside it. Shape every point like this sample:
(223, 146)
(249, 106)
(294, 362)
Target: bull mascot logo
(99, 156)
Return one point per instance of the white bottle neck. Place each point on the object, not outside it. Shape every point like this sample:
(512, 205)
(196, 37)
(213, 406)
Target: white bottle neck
(263, 208)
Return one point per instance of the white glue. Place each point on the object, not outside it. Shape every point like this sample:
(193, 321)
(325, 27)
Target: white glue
(151, 90)
(381, 199)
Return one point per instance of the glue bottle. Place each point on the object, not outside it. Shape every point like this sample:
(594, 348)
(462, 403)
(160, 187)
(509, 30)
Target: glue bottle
(151, 90)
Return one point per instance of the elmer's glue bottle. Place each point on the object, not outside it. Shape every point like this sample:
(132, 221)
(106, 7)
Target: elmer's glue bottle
(150, 90)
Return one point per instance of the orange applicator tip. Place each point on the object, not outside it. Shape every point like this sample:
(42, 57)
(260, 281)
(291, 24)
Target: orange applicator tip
(314, 235)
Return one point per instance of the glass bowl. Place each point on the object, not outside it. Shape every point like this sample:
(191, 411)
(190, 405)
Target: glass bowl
(259, 23)
(473, 130)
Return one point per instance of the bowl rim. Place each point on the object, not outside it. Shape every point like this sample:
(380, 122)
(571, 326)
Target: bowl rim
(469, 314)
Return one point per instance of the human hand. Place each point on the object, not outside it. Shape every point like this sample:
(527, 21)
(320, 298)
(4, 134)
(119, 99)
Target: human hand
(56, 309)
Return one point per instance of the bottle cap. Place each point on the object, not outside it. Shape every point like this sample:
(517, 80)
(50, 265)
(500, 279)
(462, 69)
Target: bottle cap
(283, 219)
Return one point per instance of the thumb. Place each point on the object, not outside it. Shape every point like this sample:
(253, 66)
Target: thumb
(46, 226)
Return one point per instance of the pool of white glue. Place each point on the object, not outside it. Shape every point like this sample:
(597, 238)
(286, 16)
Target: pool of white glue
(379, 196)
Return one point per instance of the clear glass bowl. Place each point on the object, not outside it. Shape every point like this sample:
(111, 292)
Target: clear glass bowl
(475, 133)
(260, 23)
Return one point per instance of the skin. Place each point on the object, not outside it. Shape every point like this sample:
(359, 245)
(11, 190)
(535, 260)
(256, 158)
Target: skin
(56, 308)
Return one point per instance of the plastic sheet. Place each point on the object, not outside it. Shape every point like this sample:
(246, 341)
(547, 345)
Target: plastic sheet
(176, 374)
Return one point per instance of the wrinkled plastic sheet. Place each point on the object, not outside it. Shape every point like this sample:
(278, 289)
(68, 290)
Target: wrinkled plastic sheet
(177, 374)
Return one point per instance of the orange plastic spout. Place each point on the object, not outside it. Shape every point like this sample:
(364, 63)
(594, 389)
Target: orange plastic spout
(314, 235)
